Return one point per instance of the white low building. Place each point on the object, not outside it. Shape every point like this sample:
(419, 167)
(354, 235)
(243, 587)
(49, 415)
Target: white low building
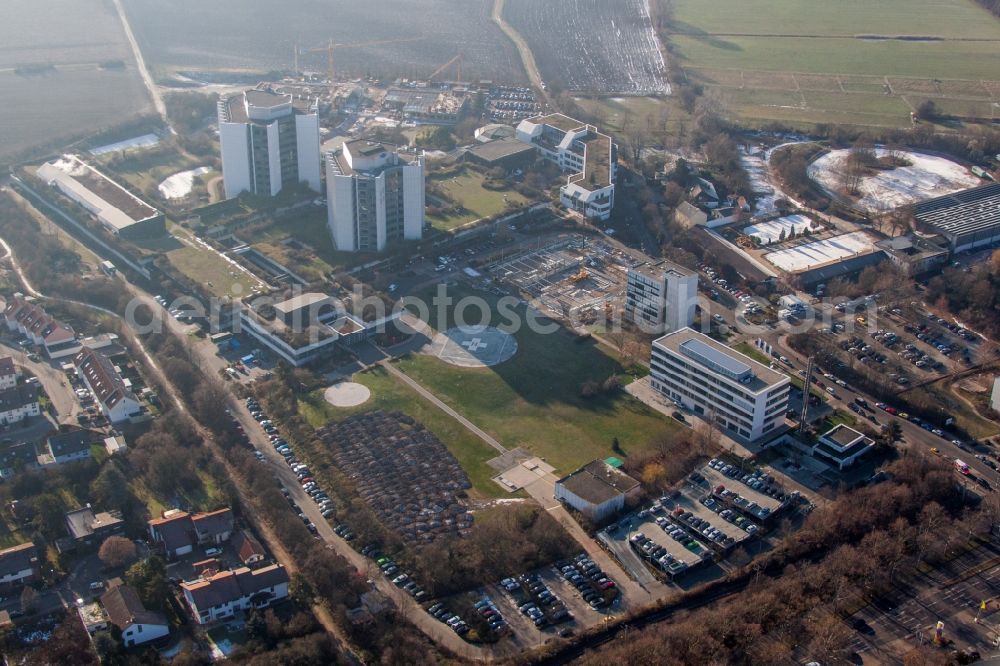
(18, 403)
(748, 399)
(8, 373)
(598, 490)
(590, 157)
(125, 610)
(841, 446)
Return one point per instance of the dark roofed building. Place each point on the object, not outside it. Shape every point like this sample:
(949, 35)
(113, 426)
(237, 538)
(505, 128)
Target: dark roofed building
(177, 532)
(71, 446)
(18, 565)
(16, 457)
(88, 527)
(18, 403)
(115, 398)
(213, 527)
(597, 490)
(8, 373)
(221, 595)
(506, 153)
(126, 611)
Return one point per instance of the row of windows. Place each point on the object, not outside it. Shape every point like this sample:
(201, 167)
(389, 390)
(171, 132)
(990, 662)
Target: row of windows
(697, 393)
(678, 365)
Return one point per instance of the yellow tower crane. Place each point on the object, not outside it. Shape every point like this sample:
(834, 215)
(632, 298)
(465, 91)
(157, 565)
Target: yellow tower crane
(457, 61)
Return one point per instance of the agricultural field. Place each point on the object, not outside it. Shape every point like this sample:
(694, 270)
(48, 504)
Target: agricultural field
(416, 36)
(466, 190)
(804, 61)
(59, 81)
(593, 46)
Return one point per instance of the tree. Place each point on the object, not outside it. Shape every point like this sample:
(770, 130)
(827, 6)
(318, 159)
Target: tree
(116, 552)
(927, 110)
(300, 589)
(149, 578)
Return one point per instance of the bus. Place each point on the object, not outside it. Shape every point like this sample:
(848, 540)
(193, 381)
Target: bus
(962, 467)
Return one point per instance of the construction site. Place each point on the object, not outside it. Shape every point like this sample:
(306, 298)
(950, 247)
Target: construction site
(575, 277)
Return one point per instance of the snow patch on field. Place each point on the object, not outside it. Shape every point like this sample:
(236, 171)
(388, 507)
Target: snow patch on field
(927, 177)
(770, 232)
(804, 257)
(179, 185)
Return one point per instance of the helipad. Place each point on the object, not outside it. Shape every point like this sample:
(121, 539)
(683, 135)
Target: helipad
(347, 394)
(474, 347)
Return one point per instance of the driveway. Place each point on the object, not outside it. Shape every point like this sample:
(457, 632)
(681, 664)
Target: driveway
(52, 380)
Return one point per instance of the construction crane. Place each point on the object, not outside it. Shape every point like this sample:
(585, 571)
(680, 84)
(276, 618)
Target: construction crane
(331, 46)
(457, 61)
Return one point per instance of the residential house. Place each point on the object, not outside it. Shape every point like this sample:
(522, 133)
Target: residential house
(248, 548)
(16, 457)
(113, 395)
(71, 446)
(8, 373)
(177, 532)
(18, 565)
(222, 595)
(125, 611)
(30, 319)
(88, 527)
(18, 403)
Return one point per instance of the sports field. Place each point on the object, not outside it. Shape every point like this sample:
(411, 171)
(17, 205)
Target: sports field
(849, 62)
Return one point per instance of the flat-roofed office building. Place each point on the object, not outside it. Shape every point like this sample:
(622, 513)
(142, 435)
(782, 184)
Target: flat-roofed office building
(661, 296)
(747, 398)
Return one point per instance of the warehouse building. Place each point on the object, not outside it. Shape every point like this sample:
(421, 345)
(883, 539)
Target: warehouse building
(590, 157)
(598, 490)
(269, 141)
(375, 196)
(969, 219)
(508, 154)
(914, 253)
(745, 397)
(661, 296)
(119, 211)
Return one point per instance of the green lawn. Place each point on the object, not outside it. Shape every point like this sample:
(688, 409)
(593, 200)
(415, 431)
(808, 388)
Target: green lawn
(205, 267)
(533, 400)
(388, 393)
(466, 189)
(754, 353)
(310, 228)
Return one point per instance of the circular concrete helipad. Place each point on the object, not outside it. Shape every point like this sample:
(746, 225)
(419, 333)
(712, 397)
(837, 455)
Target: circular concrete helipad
(474, 346)
(347, 394)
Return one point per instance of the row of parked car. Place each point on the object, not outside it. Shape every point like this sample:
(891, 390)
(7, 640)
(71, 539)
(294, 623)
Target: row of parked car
(491, 615)
(390, 568)
(588, 578)
(657, 554)
(704, 527)
(301, 470)
(759, 481)
(441, 612)
(535, 600)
